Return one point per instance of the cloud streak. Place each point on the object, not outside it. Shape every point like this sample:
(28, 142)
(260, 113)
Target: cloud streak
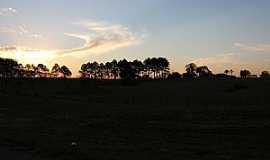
(8, 48)
(231, 61)
(20, 30)
(259, 48)
(103, 37)
(228, 58)
(5, 29)
(7, 11)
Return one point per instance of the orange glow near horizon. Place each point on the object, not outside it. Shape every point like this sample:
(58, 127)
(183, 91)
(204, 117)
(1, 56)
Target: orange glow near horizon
(34, 57)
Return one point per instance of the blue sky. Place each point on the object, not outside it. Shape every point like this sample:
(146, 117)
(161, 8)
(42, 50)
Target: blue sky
(222, 34)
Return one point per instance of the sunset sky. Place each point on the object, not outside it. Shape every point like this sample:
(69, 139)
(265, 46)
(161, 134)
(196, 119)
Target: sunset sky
(223, 34)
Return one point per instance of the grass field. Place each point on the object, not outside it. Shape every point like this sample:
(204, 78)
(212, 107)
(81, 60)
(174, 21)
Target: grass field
(84, 119)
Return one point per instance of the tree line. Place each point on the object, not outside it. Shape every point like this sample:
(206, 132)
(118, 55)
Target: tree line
(155, 68)
(150, 68)
(10, 68)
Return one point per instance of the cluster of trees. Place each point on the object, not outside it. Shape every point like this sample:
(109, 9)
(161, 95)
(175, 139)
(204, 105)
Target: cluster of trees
(150, 68)
(155, 68)
(10, 68)
(194, 71)
(247, 74)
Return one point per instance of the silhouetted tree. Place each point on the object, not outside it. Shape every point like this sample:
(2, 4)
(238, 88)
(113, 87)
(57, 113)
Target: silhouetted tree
(190, 71)
(8, 68)
(139, 68)
(231, 72)
(163, 67)
(56, 70)
(226, 71)
(265, 74)
(115, 69)
(158, 67)
(245, 73)
(83, 71)
(148, 66)
(203, 71)
(127, 71)
(43, 71)
(65, 71)
(175, 76)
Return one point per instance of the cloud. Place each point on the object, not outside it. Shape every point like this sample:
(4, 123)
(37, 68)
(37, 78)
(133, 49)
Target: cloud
(8, 48)
(20, 30)
(5, 29)
(27, 55)
(218, 63)
(36, 36)
(7, 11)
(228, 58)
(259, 48)
(103, 37)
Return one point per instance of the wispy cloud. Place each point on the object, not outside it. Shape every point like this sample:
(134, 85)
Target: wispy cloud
(259, 48)
(228, 58)
(231, 61)
(103, 37)
(7, 11)
(218, 63)
(8, 48)
(20, 30)
(5, 29)
(27, 55)
(100, 38)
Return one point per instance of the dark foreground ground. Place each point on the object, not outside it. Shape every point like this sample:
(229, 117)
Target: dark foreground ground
(168, 120)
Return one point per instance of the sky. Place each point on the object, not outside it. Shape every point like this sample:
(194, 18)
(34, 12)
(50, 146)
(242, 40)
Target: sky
(222, 34)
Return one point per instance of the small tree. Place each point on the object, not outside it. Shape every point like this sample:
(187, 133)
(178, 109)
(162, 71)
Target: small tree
(265, 74)
(231, 72)
(65, 71)
(190, 71)
(56, 70)
(8, 67)
(127, 71)
(226, 71)
(175, 76)
(203, 71)
(245, 73)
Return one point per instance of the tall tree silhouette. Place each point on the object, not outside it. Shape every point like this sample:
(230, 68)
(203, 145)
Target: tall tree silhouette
(163, 64)
(115, 69)
(231, 72)
(148, 66)
(155, 67)
(139, 67)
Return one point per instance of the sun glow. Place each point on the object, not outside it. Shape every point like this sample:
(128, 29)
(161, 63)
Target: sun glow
(34, 56)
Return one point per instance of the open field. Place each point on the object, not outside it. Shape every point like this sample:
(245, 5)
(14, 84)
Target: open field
(84, 119)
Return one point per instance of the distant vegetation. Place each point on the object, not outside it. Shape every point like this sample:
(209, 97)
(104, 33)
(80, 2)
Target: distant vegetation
(150, 68)
(10, 68)
(155, 68)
